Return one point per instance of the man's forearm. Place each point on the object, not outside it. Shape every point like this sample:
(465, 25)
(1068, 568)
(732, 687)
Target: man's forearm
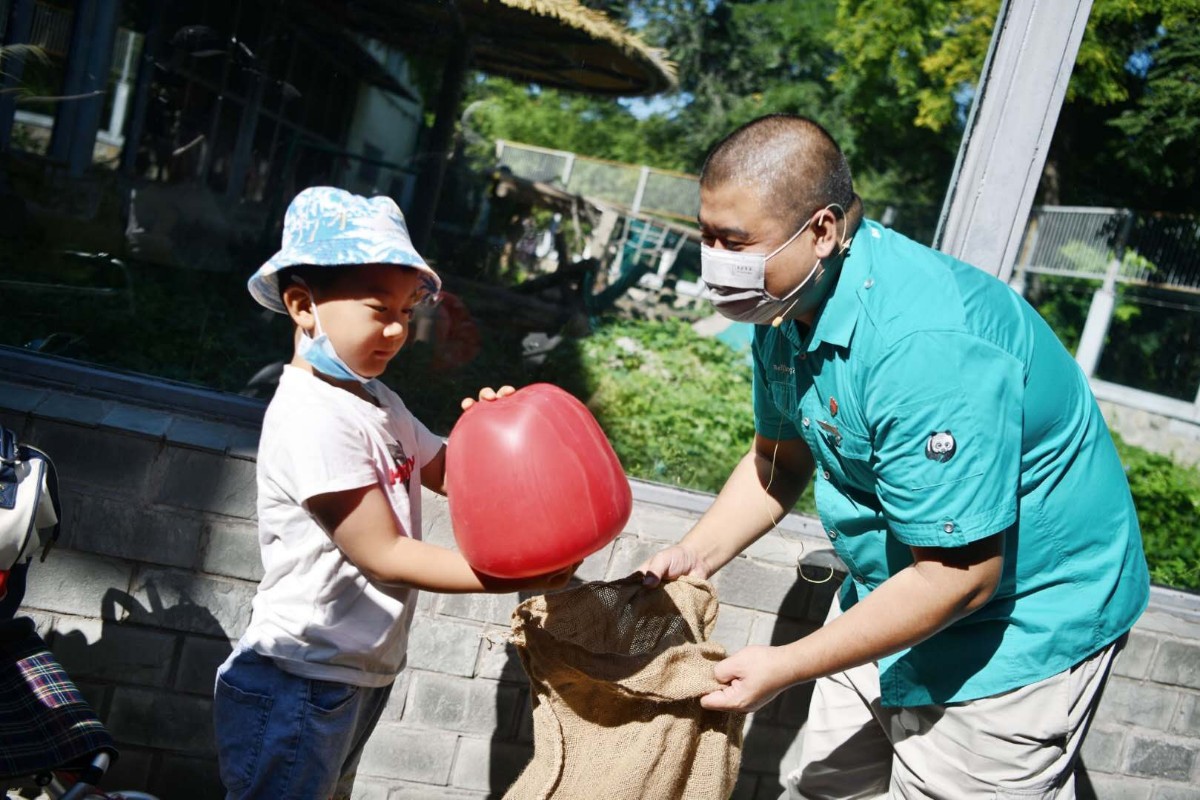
(744, 510)
(905, 610)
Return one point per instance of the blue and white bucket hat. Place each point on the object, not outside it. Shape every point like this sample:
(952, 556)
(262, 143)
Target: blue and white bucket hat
(329, 227)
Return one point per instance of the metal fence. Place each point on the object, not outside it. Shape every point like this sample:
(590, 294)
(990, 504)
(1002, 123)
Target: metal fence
(640, 189)
(1120, 245)
(1148, 264)
(672, 195)
(51, 28)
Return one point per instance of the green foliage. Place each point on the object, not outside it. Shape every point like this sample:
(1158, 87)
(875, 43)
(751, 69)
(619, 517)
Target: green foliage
(1160, 128)
(1153, 340)
(35, 66)
(740, 59)
(892, 81)
(1167, 497)
(675, 406)
(900, 67)
(1063, 303)
(1132, 104)
(912, 57)
(1157, 347)
(1123, 136)
(597, 127)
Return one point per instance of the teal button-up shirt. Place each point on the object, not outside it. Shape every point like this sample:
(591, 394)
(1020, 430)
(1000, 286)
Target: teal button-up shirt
(941, 409)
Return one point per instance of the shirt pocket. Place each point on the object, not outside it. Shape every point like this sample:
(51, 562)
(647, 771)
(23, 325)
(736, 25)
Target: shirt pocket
(849, 453)
(784, 396)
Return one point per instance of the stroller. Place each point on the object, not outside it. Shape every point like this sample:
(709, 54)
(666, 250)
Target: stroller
(48, 732)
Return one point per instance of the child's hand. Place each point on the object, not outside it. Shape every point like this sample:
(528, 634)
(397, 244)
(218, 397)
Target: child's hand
(487, 393)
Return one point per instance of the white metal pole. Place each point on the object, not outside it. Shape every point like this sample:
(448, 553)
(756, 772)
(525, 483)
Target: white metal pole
(1009, 130)
(641, 190)
(567, 167)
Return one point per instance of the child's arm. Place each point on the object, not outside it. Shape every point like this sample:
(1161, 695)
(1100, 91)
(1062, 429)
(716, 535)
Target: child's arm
(364, 528)
(433, 474)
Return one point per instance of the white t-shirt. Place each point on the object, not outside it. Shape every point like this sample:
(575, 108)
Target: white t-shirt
(315, 613)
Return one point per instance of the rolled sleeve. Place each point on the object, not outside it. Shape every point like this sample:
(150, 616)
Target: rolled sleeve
(949, 452)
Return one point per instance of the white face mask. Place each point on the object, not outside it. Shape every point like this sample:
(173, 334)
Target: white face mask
(736, 283)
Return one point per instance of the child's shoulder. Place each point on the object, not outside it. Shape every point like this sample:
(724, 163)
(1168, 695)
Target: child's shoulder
(388, 399)
(303, 401)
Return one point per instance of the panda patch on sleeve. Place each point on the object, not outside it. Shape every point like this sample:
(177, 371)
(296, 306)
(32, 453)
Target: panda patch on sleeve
(941, 446)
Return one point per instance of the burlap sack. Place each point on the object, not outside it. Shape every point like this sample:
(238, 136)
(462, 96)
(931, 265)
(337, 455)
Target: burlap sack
(616, 672)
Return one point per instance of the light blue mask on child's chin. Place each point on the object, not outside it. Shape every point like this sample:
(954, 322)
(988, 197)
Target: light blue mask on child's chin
(318, 351)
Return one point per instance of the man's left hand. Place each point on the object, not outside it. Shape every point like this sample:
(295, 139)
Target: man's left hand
(752, 676)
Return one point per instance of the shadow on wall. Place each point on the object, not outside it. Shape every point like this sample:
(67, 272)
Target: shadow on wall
(511, 747)
(773, 739)
(151, 684)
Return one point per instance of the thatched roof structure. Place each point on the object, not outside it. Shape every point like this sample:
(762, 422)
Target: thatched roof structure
(555, 43)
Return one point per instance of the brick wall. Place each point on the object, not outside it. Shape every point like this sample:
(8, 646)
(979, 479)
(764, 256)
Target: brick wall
(158, 563)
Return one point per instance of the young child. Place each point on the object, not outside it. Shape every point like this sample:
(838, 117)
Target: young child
(341, 464)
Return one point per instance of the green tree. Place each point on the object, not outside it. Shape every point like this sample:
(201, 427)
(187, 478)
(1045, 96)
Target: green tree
(598, 127)
(739, 59)
(1160, 127)
(736, 60)
(905, 73)
(1132, 108)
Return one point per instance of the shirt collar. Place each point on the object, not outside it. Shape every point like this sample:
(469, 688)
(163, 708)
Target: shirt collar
(836, 320)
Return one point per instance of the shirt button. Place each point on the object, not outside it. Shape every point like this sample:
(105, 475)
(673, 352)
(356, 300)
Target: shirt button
(826, 474)
(948, 527)
(868, 283)
(803, 356)
(832, 533)
(804, 422)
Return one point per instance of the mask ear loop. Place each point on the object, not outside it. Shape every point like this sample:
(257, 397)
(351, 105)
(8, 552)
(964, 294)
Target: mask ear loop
(843, 242)
(312, 298)
(775, 522)
(843, 248)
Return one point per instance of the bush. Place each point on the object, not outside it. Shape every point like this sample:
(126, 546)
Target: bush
(1167, 497)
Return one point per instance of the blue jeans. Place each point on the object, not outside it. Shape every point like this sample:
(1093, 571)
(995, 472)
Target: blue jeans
(283, 736)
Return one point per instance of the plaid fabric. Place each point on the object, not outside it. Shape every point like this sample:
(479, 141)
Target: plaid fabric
(44, 721)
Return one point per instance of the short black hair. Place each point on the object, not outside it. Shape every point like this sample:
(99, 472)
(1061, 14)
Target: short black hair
(318, 278)
(791, 161)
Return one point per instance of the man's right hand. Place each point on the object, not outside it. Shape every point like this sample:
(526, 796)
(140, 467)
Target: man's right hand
(674, 562)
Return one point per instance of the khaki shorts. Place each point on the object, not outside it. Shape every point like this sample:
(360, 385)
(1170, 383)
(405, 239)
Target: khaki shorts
(1019, 744)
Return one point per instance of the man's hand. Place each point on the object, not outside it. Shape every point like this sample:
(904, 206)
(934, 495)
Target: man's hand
(674, 562)
(488, 393)
(752, 677)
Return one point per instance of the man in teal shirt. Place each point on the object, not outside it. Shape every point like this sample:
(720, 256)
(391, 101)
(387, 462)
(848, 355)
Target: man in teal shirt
(963, 473)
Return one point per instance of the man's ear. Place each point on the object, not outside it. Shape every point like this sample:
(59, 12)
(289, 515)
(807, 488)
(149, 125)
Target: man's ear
(827, 229)
(298, 303)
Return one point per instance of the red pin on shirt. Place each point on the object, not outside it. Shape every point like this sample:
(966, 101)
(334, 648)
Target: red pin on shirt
(833, 406)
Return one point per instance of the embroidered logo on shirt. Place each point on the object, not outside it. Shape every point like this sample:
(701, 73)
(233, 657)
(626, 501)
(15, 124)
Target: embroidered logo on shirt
(402, 465)
(784, 368)
(941, 446)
